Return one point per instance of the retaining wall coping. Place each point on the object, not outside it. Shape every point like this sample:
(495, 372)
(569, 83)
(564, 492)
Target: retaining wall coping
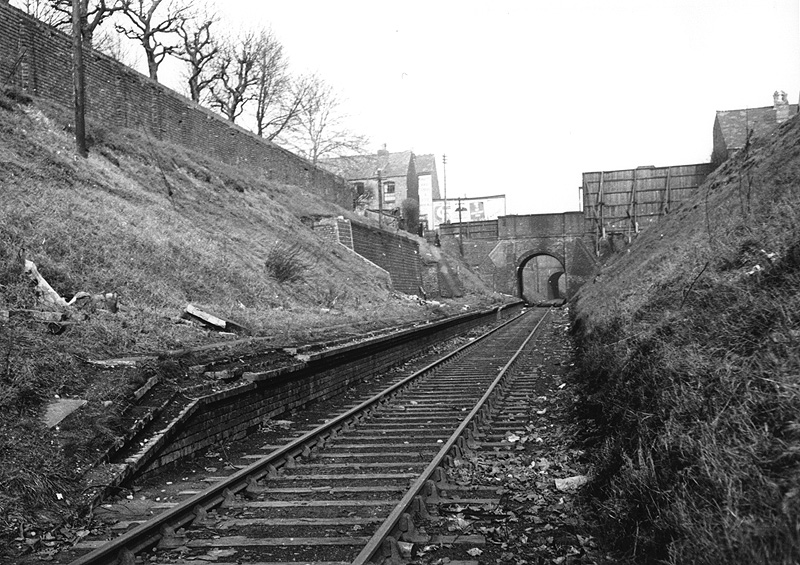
(401, 234)
(224, 394)
(313, 357)
(255, 377)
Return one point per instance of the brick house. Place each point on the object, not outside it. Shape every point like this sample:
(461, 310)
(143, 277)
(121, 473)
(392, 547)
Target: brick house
(428, 188)
(731, 126)
(398, 177)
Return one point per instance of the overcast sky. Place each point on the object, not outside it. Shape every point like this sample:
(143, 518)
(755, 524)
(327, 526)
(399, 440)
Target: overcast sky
(525, 95)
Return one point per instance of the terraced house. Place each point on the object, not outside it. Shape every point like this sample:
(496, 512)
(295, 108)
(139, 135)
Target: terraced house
(731, 127)
(428, 188)
(396, 173)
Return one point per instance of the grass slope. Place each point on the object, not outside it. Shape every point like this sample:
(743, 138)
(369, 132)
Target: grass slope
(689, 368)
(162, 227)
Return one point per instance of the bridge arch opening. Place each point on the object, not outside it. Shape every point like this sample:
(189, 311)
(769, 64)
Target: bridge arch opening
(540, 278)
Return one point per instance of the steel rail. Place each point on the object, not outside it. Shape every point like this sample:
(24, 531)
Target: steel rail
(148, 534)
(376, 542)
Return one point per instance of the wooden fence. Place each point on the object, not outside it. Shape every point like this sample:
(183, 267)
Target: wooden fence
(626, 201)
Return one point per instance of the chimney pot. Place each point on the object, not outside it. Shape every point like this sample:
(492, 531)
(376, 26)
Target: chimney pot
(781, 106)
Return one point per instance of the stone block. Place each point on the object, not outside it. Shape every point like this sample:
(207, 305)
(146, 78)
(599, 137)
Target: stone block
(59, 409)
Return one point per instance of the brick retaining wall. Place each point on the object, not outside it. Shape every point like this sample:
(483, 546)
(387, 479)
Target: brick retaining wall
(37, 59)
(232, 414)
(396, 253)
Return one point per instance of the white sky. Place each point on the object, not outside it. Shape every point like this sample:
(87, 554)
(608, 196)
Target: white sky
(525, 95)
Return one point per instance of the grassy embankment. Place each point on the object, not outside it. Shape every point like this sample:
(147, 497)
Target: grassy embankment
(689, 360)
(162, 227)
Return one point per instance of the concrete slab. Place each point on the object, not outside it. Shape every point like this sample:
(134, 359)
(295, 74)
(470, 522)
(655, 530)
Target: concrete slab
(60, 408)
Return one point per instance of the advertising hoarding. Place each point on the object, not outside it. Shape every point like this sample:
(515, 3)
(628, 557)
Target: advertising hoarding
(471, 209)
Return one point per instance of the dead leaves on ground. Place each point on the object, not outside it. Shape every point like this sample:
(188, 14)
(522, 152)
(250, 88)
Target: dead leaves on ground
(537, 477)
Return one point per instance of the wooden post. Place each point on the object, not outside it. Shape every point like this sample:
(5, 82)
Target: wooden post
(78, 81)
(667, 195)
(600, 204)
(460, 229)
(380, 200)
(444, 169)
(632, 205)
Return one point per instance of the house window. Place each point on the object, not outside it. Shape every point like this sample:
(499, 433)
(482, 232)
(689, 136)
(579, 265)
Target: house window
(388, 191)
(359, 186)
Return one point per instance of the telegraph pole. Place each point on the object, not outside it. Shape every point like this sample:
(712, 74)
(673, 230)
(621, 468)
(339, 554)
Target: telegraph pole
(78, 81)
(460, 230)
(380, 201)
(444, 170)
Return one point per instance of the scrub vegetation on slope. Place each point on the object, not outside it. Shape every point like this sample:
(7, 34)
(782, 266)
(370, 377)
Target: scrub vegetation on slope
(689, 369)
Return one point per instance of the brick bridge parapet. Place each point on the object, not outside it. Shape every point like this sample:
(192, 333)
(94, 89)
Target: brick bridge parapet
(498, 250)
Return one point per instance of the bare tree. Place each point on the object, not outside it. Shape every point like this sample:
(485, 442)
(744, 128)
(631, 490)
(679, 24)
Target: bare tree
(116, 46)
(271, 88)
(198, 51)
(78, 78)
(320, 129)
(93, 15)
(148, 29)
(58, 13)
(43, 11)
(279, 96)
(236, 75)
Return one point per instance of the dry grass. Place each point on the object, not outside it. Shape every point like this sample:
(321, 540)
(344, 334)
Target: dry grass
(689, 351)
(162, 227)
(187, 230)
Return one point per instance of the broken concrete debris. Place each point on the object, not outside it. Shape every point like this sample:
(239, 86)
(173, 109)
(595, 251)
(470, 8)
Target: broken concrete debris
(571, 484)
(56, 311)
(60, 408)
(211, 321)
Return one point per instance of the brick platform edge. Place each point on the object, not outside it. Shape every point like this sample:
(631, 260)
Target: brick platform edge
(231, 414)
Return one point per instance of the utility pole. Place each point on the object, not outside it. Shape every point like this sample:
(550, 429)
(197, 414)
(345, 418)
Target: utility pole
(78, 81)
(380, 201)
(444, 170)
(460, 230)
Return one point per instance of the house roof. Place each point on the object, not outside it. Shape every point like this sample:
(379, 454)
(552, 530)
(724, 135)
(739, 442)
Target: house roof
(426, 164)
(359, 167)
(734, 124)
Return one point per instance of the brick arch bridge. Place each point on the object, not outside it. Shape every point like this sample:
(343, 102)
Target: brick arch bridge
(499, 250)
(540, 276)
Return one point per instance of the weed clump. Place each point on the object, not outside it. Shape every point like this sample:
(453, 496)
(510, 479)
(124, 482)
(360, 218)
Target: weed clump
(9, 97)
(285, 262)
(6, 103)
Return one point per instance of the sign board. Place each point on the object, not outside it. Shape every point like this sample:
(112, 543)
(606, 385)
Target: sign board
(471, 209)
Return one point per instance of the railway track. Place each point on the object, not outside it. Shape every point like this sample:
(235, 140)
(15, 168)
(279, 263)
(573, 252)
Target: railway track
(348, 491)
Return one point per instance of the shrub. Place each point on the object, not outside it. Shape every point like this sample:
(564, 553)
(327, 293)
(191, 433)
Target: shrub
(6, 103)
(11, 95)
(410, 208)
(285, 262)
